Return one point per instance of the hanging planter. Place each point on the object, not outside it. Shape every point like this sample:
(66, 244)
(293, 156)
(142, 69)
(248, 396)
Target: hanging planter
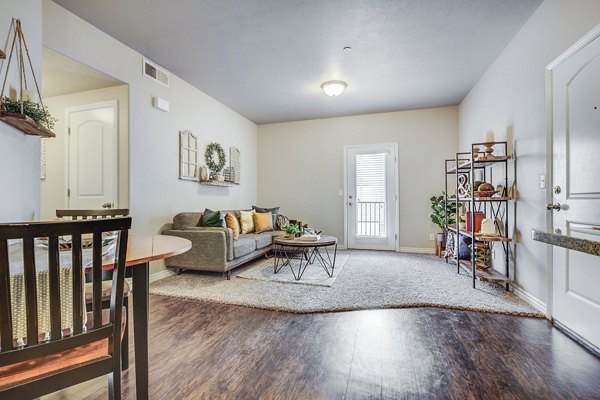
(25, 115)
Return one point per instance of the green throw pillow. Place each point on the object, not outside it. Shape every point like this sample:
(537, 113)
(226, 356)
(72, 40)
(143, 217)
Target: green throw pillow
(213, 218)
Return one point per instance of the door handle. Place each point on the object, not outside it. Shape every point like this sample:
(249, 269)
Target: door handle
(107, 205)
(553, 207)
(349, 204)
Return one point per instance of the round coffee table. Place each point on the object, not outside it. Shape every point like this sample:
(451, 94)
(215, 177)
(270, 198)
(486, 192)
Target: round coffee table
(306, 252)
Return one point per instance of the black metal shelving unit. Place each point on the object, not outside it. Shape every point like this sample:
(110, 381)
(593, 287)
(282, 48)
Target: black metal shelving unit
(462, 168)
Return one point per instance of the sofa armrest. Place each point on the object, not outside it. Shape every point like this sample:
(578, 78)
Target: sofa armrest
(228, 236)
(211, 249)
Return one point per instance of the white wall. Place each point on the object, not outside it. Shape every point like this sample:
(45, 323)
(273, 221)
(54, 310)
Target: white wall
(53, 188)
(19, 153)
(300, 166)
(156, 193)
(510, 99)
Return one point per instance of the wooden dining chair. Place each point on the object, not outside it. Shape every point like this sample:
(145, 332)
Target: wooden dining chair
(107, 274)
(45, 362)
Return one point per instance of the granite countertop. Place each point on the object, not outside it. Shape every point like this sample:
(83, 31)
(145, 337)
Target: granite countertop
(571, 243)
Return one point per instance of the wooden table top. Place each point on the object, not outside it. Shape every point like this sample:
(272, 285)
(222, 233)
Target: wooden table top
(323, 241)
(145, 248)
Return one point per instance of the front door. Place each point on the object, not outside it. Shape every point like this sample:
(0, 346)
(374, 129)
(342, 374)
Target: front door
(371, 198)
(576, 180)
(92, 156)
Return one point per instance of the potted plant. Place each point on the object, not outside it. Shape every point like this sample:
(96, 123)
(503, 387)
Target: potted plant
(292, 230)
(438, 216)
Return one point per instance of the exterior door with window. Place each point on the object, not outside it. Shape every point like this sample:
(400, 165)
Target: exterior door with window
(92, 156)
(371, 198)
(576, 179)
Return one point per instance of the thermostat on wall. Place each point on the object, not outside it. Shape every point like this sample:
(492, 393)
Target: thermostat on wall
(161, 104)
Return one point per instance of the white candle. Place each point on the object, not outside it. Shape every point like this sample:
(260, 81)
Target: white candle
(489, 137)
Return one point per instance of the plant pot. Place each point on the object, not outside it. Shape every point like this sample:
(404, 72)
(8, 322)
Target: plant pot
(290, 235)
(440, 238)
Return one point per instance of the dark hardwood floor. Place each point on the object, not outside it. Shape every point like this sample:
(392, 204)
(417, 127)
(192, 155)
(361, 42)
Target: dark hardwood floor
(215, 351)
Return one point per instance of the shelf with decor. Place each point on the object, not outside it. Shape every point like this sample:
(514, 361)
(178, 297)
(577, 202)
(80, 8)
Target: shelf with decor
(487, 275)
(218, 183)
(486, 217)
(481, 237)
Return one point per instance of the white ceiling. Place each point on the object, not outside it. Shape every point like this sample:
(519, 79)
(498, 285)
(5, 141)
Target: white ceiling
(63, 75)
(266, 59)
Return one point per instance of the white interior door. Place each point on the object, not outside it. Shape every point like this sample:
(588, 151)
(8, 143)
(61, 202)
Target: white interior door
(576, 144)
(92, 156)
(371, 196)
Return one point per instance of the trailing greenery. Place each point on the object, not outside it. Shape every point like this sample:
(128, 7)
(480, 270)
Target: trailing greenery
(39, 114)
(438, 216)
(209, 157)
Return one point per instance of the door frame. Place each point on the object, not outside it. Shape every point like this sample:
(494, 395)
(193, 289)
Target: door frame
(580, 44)
(114, 104)
(396, 185)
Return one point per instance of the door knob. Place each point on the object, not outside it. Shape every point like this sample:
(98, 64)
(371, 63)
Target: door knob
(107, 205)
(349, 204)
(553, 207)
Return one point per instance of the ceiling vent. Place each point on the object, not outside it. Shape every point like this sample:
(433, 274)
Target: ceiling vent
(155, 72)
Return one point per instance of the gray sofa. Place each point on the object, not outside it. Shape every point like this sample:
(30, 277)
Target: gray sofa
(213, 249)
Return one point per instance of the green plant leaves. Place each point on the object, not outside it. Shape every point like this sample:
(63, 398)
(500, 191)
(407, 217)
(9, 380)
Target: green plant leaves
(39, 114)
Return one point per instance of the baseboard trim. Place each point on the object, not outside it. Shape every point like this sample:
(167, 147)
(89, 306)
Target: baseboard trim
(529, 298)
(416, 250)
(576, 337)
(165, 273)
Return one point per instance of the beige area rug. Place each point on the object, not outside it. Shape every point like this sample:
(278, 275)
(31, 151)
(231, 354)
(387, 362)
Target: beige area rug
(369, 280)
(313, 275)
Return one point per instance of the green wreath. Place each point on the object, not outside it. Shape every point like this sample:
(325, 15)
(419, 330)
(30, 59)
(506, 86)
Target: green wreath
(210, 161)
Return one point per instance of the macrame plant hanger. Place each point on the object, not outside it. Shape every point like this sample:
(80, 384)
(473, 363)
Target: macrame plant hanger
(19, 120)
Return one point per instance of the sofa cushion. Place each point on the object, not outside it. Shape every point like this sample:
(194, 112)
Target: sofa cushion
(247, 221)
(213, 218)
(274, 211)
(262, 240)
(276, 233)
(263, 222)
(233, 224)
(243, 246)
(186, 219)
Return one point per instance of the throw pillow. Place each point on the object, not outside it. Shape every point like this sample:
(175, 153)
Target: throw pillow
(213, 218)
(263, 222)
(274, 212)
(233, 224)
(247, 221)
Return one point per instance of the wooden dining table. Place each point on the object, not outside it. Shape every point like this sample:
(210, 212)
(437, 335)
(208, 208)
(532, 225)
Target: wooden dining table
(141, 250)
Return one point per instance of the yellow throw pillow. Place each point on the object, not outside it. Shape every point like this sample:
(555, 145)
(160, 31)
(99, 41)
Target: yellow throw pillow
(233, 224)
(247, 221)
(263, 222)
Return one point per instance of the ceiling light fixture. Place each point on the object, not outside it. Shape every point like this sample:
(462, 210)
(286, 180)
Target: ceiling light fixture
(333, 88)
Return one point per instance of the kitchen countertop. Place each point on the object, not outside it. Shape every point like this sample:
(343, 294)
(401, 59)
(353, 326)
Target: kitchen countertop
(571, 243)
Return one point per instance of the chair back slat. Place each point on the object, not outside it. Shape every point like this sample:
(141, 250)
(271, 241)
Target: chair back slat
(30, 276)
(6, 328)
(77, 259)
(118, 283)
(97, 279)
(54, 288)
